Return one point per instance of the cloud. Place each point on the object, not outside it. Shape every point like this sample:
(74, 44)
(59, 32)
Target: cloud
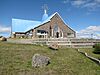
(78, 3)
(97, 1)
(91, 5)
(4, 29)
(65, 1)
(91, 31)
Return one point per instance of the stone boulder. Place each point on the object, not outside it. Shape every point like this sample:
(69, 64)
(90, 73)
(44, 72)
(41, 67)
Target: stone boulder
(3, 39)
(54, 46)
(40, 60)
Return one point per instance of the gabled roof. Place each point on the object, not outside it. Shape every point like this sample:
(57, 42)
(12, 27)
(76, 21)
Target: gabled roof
(47, 20)
(50, 17)
(20, 25)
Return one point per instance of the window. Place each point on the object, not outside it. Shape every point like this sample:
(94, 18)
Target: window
(41, 31)
(56, 28)
(69, 33)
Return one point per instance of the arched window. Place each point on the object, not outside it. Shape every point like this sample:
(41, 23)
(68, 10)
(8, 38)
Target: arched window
(56, 28)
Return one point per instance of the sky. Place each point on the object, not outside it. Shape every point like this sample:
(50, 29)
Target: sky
(83, 16)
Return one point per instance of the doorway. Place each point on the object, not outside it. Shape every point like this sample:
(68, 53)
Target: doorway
(57, 34)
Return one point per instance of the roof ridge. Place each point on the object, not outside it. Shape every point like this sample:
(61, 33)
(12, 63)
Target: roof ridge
(24, 19)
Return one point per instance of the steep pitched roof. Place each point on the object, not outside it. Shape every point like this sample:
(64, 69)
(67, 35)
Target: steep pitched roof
(49, 19)
(20, 25)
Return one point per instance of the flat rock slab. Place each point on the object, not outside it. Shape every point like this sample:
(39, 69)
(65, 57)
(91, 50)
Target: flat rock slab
(40, 60)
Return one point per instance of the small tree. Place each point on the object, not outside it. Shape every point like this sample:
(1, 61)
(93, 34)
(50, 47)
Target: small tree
(96, 48)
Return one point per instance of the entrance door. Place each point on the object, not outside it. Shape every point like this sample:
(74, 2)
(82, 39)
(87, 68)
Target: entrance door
(57, 34)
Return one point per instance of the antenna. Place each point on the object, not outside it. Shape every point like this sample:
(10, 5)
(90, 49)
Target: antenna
(45, 7)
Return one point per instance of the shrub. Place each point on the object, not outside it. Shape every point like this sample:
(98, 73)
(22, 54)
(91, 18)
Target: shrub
(96, 48)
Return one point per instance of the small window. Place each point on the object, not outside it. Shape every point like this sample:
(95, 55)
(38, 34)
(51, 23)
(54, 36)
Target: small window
(69, 33)
(41, 31)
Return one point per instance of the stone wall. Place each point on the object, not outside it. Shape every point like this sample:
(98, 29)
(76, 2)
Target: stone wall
(64, 30)
(61, 42)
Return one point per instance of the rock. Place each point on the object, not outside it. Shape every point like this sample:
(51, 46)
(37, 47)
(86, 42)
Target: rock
(53, 46)
(3, 39)
(40, 60)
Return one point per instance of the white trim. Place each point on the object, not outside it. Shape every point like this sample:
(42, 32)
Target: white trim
(41, 34)
(64, 21)
(52, 32)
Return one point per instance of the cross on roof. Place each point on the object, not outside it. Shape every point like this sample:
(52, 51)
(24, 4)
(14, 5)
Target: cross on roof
(45, 7)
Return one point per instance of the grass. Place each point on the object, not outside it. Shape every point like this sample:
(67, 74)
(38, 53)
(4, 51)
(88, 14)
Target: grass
(15, 59)
(90, 52)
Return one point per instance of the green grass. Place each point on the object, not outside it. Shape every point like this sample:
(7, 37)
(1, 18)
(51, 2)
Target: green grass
(15, 59)
(90, 52)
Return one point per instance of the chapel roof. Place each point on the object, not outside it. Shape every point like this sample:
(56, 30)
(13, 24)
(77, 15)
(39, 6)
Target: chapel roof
(21, 25)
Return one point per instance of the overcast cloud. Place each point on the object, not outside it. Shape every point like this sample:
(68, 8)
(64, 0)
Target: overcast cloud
(4, 29)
